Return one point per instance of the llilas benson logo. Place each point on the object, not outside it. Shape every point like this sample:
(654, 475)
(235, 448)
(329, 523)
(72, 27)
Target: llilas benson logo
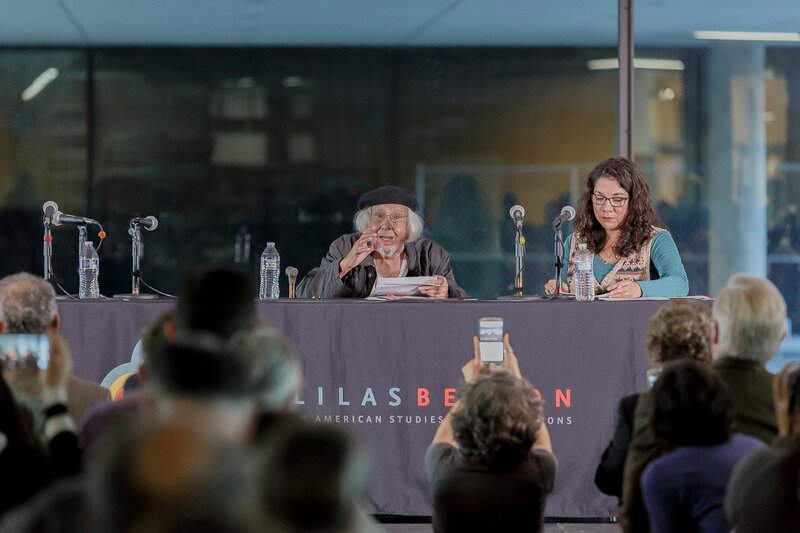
(369, 405)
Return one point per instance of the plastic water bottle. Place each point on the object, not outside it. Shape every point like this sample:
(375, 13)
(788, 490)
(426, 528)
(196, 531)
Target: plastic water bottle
(270, 273)
(88, 272)
(584, 274)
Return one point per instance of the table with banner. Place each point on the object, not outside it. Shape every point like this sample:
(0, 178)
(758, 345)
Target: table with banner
(388, 372)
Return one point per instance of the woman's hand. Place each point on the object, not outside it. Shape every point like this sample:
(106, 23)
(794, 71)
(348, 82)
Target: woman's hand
(59, 366)
(475, 366)
(550, 287)
(510, 361)
(436, 288)
(360, 250)
(625, 289)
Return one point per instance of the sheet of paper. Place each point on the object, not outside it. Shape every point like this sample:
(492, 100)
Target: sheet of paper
(607, 298)
(400, 286)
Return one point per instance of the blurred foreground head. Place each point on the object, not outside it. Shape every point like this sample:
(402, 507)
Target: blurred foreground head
(167, 479)
(311, 478)
(218, 302)
(206, 387)
(275, 370)
(691, 406)
(750, 318)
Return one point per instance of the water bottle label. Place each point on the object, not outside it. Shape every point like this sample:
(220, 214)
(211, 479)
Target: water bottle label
(270, 263)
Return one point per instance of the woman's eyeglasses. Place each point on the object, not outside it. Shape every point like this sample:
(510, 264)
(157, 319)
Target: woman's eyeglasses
(615, 201)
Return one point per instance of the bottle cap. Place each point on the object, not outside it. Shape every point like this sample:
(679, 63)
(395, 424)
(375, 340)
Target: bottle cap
(270, 244)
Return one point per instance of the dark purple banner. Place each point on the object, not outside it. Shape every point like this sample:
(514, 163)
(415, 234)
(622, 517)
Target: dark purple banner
(389, 371)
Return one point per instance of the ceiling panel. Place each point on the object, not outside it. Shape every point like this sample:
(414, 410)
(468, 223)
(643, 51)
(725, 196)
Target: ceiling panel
(254, 22)
(37, 22)
(378, 22)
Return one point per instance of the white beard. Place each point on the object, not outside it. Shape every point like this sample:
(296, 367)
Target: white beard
(388, 251)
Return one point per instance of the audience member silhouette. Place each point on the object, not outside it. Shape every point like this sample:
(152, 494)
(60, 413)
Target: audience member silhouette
(692, 418)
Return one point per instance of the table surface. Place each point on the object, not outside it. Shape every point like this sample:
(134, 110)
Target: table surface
(388, 370)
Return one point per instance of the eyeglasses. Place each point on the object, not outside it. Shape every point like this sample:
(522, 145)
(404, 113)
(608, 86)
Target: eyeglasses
(615, 201)
(394, 218)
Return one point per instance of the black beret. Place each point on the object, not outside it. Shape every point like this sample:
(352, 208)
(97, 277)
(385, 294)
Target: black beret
(388, 194)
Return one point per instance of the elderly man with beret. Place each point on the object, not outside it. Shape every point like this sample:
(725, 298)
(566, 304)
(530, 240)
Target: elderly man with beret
(388, 243)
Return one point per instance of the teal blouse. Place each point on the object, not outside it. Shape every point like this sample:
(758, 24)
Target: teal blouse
(667, 275)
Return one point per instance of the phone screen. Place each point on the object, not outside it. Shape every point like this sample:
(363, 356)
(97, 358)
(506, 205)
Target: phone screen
(490, 335)
(24, 350)
(652, 376)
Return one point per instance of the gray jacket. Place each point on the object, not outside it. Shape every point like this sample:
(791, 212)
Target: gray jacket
(423, 256)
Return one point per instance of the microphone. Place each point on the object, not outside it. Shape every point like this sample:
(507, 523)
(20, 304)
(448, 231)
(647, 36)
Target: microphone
(517, 213)
(567, 213)
(59, 218)
(50, 208)
(291, 273)
(149, 223)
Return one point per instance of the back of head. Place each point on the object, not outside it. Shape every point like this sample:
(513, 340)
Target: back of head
(184, 369)
(27, 303)
(312, 478)
(154, 335)
(159, 478)
(680, 329)
(691, 406)
(497, 419)
(220, 302)
(275, 370)
(750, 314)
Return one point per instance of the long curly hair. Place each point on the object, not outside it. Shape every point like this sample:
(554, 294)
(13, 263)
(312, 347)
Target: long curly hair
(641, 217)
(497, 419)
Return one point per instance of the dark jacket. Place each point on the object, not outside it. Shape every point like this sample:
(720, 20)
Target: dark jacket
(751, 387)
(423, 256)
(608, 476)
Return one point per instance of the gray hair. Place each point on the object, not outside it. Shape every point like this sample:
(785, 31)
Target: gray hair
(363, 219)
(751, 318)
(275, 371)
(27, 303)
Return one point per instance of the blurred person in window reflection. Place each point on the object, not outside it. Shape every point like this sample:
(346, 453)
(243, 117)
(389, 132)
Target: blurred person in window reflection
(388, 243)
(491, 464)
(616, 219)
(764, 490)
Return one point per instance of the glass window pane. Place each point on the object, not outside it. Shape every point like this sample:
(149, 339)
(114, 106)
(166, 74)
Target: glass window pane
(43, 155)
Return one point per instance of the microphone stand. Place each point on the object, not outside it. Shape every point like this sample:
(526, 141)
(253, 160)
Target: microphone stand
(559, 252)
(47, 250)
(519, 259)
(137, 249)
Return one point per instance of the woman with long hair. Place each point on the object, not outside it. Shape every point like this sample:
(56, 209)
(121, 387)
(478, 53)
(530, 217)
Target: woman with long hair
(615, 218)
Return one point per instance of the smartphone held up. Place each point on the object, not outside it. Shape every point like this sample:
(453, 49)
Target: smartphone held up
(490, 337)
(24, 350)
